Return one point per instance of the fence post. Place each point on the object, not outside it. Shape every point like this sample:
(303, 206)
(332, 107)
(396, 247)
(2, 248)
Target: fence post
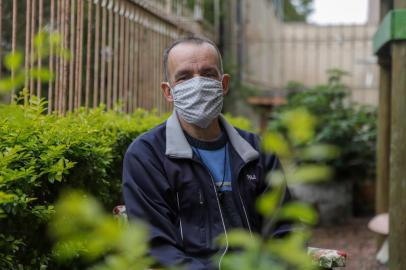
(14, 35)
(397, 214)
(383, 136)
(169, 6)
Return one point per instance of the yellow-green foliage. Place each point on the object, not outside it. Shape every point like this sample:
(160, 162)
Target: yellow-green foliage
(41, 154)
(43, 42)
(91, 234)
(260, 251)
(239, 122)
(84, 229)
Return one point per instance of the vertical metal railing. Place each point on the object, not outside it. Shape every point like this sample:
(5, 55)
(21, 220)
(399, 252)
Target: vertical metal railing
(115, 49)
(1, 30)
(13, 43)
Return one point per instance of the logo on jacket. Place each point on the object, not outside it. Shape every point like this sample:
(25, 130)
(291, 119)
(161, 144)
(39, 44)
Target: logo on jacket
(251, 177)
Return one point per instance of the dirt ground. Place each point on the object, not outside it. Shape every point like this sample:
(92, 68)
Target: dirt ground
(355, 239)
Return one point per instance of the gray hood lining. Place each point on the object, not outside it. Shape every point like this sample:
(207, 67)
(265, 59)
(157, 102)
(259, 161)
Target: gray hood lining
(177, 146)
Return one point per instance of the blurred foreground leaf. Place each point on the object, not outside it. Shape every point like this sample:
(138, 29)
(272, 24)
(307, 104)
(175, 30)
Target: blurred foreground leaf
(276, 144)
(310, 173)
(300, 212)
(267, 203)
(291, 250)
(300, 124)
(82, 229)
(13, 61)
(319, 152)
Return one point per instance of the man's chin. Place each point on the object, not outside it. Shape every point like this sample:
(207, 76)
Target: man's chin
(194, 125)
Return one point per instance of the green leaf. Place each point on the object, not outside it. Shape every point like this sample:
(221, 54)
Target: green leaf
(8, 84)
(275, 143)
(5, 197)
(267, 203)
(276, 178)
(319, 152)
(310, 174)
(55, 39)
(39, 39)
(13, 61)
(300, 212)
(301, 125)
(240, 238)
(42, 74)
(291, 249)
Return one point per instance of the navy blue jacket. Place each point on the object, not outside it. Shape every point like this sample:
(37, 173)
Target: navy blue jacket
(165, 184)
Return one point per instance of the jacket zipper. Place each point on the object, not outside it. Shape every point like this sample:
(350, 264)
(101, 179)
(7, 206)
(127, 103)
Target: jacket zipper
(245, 212)
(222, 221)
(219, 207)
(180, 217)
(200, 197)
(241, 200)
(221, 213)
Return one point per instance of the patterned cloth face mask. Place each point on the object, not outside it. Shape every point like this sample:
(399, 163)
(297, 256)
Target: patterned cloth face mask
(198, 100)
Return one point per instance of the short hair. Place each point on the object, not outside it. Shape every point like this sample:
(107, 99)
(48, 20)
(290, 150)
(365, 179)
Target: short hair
(194, 40)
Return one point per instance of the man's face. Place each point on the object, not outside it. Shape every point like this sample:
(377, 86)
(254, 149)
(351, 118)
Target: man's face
(188, 60)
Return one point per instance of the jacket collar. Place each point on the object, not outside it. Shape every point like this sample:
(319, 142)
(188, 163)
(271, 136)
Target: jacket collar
(177, 146)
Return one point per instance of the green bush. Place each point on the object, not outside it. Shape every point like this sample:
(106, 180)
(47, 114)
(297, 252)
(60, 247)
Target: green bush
(41, 155)
(351, 127)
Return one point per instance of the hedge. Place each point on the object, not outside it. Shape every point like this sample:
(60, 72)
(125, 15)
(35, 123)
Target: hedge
(41, 155)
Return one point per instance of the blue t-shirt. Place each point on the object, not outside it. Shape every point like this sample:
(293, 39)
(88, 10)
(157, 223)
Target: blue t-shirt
(218, 163)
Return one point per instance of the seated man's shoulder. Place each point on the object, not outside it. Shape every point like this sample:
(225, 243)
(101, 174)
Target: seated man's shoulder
(153, 139)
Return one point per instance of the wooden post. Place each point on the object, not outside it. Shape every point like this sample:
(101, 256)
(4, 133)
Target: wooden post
(397, 213)
(383, 143)
(169, 6)
(217, 19)
(14, 40)
(198, 10)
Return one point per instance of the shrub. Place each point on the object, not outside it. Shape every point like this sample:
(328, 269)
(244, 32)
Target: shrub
(41, 155)
(351, 127)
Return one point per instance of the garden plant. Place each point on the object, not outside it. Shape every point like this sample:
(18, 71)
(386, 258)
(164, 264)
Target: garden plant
(44, 155)
(350, 126)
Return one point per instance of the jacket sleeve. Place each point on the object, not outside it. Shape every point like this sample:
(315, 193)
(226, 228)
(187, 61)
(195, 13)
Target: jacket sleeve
(148, 197)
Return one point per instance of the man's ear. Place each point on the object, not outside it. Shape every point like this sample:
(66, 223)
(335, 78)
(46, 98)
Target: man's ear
(226, 80)
(167, 91)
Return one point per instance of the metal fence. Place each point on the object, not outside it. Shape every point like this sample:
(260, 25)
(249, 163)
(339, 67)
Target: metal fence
(116, 48)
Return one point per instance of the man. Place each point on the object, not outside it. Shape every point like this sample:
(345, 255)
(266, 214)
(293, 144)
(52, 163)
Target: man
(195, 176)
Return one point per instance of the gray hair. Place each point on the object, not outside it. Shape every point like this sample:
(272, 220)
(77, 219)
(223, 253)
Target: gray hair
(194, 40)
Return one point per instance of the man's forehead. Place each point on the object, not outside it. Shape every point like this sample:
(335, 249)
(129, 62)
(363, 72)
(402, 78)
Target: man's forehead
(191, 53)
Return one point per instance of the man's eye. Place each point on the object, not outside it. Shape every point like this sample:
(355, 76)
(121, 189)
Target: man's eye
(181, 79)
(211, 75)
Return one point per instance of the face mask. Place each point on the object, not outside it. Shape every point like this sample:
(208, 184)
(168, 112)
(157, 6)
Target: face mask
(198, 100)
